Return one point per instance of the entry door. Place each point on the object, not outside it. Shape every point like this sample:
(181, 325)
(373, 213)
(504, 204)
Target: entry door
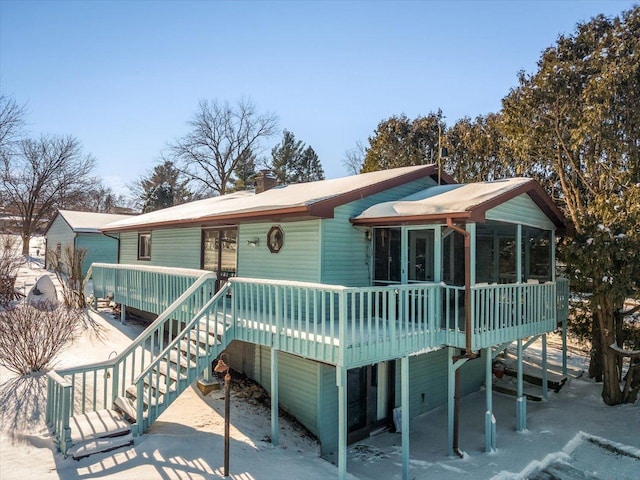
(420, 256)
(369, 399)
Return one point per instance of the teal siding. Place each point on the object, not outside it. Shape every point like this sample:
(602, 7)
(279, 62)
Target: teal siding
(298, 260)
(297, 386)
(521, 209)
(100, 249)
(428, 380)
(171, 247)
(345, 251)
(59, 232)
(327, 409)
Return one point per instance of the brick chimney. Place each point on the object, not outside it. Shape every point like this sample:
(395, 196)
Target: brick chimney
(265, 180)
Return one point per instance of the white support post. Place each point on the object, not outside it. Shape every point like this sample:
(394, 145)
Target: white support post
(489, 419)
(450, 393)
(545, 375)
(274, 398)
(123, 314)
(341, 380)
(564, 347)
(404, 380)
(521, 402)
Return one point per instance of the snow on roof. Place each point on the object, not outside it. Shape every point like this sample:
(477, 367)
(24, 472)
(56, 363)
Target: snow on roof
(443, 199)
(89, 222)
(298, 197)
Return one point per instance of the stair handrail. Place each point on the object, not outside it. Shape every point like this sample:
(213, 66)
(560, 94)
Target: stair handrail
(139, 381)
(150, 330)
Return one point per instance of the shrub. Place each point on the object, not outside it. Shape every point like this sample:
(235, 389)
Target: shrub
(30, 338)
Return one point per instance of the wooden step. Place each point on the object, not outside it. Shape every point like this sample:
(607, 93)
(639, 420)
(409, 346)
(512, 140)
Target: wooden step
(512, 392)
(177, 357)
(192, 348)
(128, 408)
(203, 337)
(554, 382)
(100, 445)
(170, 368)
(132, 394)
(98, 424)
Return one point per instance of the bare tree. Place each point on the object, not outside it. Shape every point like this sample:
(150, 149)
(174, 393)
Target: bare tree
(354, 158)
(221, 136)
(11, 122)
(44, 175)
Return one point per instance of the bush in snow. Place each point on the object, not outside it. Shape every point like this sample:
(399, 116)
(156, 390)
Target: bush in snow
(10, 261)
(30, 338)
(68, 269)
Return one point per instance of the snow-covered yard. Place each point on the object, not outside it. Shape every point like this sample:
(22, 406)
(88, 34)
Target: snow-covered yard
(574, 427)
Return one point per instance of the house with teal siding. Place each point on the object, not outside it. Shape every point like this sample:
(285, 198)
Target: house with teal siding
(354, 301)
(81, 230)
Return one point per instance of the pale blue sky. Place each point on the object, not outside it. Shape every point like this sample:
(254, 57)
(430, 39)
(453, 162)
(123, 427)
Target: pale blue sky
(125, 76)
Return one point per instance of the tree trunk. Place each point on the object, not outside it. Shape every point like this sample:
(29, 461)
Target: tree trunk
(596, 355)
(25, 243)
(611, 393)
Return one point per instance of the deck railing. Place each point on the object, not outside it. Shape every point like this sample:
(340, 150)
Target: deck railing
(95, 386)
(148, 288)
(506, 312)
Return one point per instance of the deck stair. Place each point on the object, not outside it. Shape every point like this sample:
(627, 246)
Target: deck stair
(103, 406)
(191, 352)
(97, 432)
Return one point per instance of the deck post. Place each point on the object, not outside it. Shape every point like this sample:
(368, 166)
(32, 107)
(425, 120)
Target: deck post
(521, 402)
(274, 397)
(123, 314)
(341, 380)
(564, 346)
(545, 376)
(404, 380)
(489, 419)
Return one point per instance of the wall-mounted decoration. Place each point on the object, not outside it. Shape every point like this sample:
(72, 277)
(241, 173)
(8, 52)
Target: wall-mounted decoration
(275, 239)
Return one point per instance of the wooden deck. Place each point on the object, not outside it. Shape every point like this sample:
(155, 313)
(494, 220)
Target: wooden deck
(347, 325)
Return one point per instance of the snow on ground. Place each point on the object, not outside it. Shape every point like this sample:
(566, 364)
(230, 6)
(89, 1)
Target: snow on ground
(573, 427)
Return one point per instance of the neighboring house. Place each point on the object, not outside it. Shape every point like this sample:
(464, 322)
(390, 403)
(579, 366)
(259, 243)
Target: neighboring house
(352, 297)
(81, 230)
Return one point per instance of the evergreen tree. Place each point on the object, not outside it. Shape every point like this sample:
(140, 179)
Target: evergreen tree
(309, 168)
(575, 126)
(163, 187)
(285, 157)
(294, 162)
(400, 142)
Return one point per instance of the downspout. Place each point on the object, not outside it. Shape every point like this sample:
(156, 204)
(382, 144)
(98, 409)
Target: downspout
(117, 239)
(467, 321)
(467, 283)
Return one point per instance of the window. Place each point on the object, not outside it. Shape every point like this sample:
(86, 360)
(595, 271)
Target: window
(387, 256)
(536, 252)
(144, 246)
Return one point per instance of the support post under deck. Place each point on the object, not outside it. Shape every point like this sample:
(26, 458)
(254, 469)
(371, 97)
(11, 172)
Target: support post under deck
(545, 374)
(489, 419)
(404, 380)
(521, 401)
(274, 397)
(341, 380)
(123, 314)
